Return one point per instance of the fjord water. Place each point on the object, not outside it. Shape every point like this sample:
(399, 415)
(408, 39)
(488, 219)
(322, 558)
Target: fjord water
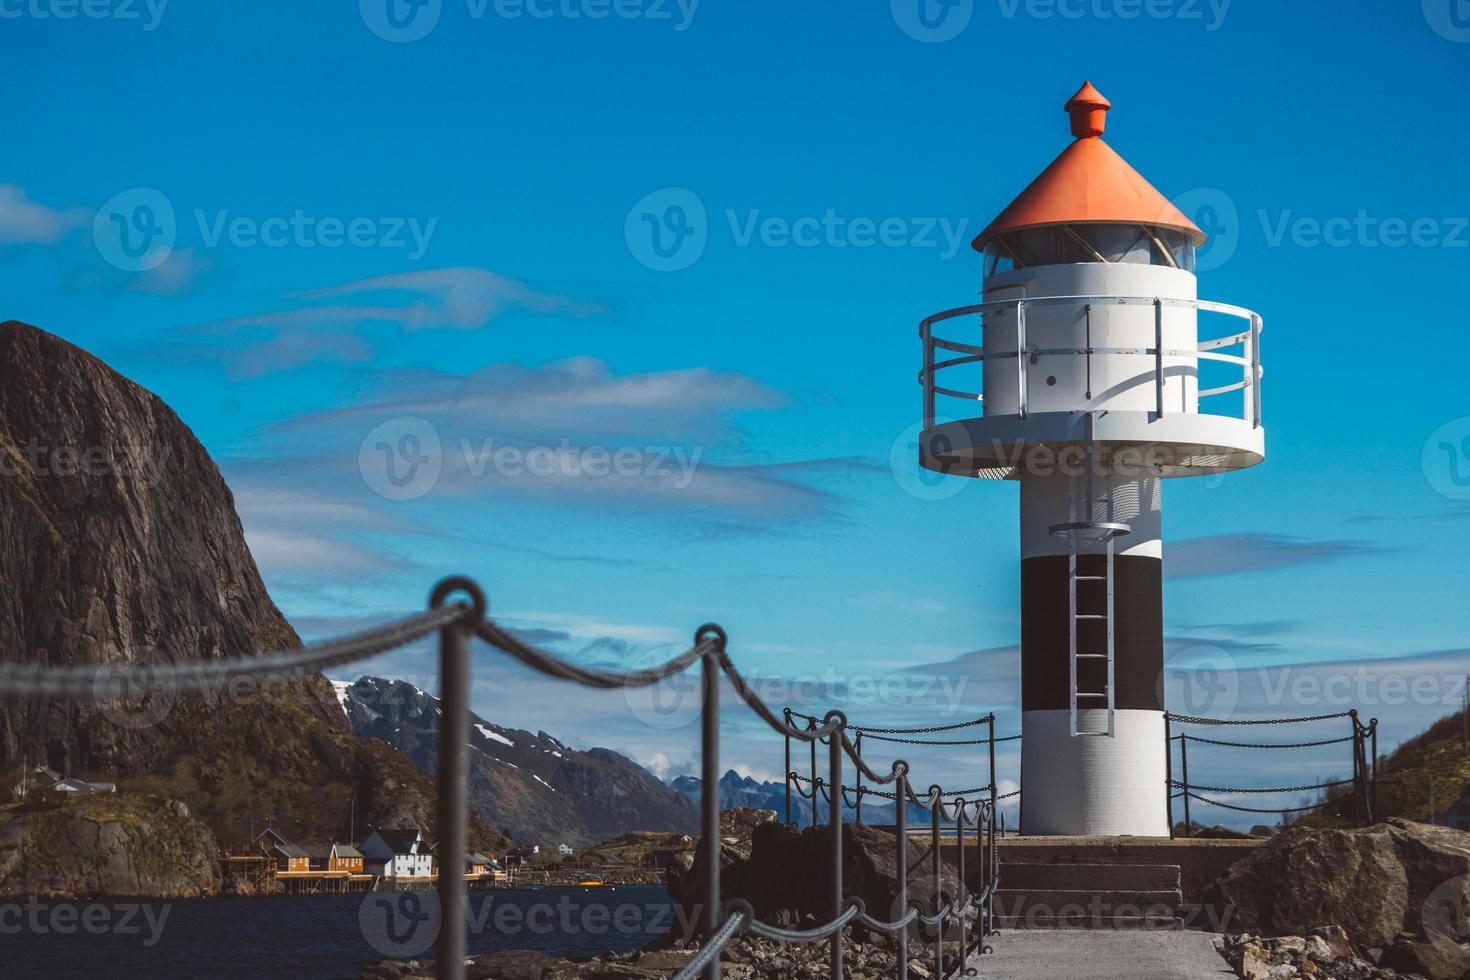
(304, 936)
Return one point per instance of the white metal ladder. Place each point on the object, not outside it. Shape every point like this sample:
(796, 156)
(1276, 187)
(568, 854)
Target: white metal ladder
(1083, 527)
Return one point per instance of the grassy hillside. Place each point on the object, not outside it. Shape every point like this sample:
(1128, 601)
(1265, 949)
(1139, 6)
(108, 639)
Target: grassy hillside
(1431, 765)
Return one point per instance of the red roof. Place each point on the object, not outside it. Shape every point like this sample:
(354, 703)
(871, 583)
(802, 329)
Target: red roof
(1089, 183)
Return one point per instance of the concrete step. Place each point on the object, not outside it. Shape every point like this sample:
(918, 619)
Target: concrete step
(1089, 908)
(1053, 908)
(1015, 876)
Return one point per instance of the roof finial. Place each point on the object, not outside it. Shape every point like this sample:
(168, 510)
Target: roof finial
(1088, 109)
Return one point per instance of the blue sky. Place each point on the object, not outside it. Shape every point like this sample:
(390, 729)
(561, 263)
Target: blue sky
(356, 235)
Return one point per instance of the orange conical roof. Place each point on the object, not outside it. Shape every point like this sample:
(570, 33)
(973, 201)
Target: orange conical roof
(1088, 183)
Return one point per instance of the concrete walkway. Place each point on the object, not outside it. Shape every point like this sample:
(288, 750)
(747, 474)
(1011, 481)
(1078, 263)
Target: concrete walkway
(1103, 954)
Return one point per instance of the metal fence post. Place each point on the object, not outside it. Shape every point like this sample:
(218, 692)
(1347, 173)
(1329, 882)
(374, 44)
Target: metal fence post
(786, 773)
(901, 817)
(1184, 778)
(1021, 358)
(835, 758)
(709, 789)
(1255, 370)
(1159, 354)
(453, 772)
(935, 813)
(1359, 784)
(857, 745)
(992, 760)
(811, 726)
(925, 332)
(959, 834)
(1373, 771)
(1169, 773)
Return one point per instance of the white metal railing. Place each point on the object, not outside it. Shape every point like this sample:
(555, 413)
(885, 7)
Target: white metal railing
(1249, 340)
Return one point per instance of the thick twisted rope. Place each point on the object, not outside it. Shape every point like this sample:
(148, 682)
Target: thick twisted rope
(108, 682)
(711, 949)
(554, 666)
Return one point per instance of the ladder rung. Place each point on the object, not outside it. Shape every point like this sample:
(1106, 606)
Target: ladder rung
(1092, 656)
(1092, 615)
(1092, 734)
(1092, 578)
(1087, 694)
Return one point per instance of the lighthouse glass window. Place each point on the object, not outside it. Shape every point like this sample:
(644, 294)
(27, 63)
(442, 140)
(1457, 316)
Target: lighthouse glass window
(1068, 244)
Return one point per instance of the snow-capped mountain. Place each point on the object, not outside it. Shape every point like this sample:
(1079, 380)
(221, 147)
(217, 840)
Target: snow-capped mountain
(533, 786)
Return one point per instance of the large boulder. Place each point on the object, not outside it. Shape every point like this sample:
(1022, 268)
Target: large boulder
(786, 874)
(1400, 887)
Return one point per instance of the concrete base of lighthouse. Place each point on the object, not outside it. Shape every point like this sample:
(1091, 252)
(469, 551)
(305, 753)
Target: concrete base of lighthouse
(1091, 786)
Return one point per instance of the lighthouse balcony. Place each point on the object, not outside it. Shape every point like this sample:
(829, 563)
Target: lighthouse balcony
(1128, 374)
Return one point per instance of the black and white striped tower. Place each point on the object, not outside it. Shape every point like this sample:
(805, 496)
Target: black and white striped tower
(1096, 386)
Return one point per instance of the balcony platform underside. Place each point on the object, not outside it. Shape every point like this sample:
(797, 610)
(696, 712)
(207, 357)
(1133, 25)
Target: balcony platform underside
(1003, 447)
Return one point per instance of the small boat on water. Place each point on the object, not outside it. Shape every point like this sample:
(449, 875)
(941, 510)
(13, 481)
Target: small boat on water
(594, 881)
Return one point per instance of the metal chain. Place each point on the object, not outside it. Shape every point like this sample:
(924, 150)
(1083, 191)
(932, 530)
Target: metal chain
(921, 741)
(1264, 745)
(1253, 809)
(1196, 720)
(1261, 789)
(903, 731)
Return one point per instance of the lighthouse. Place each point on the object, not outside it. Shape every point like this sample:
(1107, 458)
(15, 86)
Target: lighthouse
(1090, 373)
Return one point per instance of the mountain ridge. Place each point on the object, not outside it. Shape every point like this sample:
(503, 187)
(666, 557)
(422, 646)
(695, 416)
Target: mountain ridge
(534, 787)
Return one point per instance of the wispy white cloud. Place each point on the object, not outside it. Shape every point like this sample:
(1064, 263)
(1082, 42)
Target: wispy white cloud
(463, 297)
(312, 331)
(177, 274)
(573, 398)
(1230, 554)
(24, 221)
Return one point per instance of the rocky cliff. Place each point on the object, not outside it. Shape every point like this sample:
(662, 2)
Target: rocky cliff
(119, 543)
(533, 786)
(114, 845)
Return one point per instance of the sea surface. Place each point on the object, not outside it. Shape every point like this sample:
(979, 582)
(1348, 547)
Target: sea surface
(310, 936)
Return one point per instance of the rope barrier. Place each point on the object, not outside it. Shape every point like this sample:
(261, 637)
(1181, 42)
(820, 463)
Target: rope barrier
(110, 682)
(712, 949)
